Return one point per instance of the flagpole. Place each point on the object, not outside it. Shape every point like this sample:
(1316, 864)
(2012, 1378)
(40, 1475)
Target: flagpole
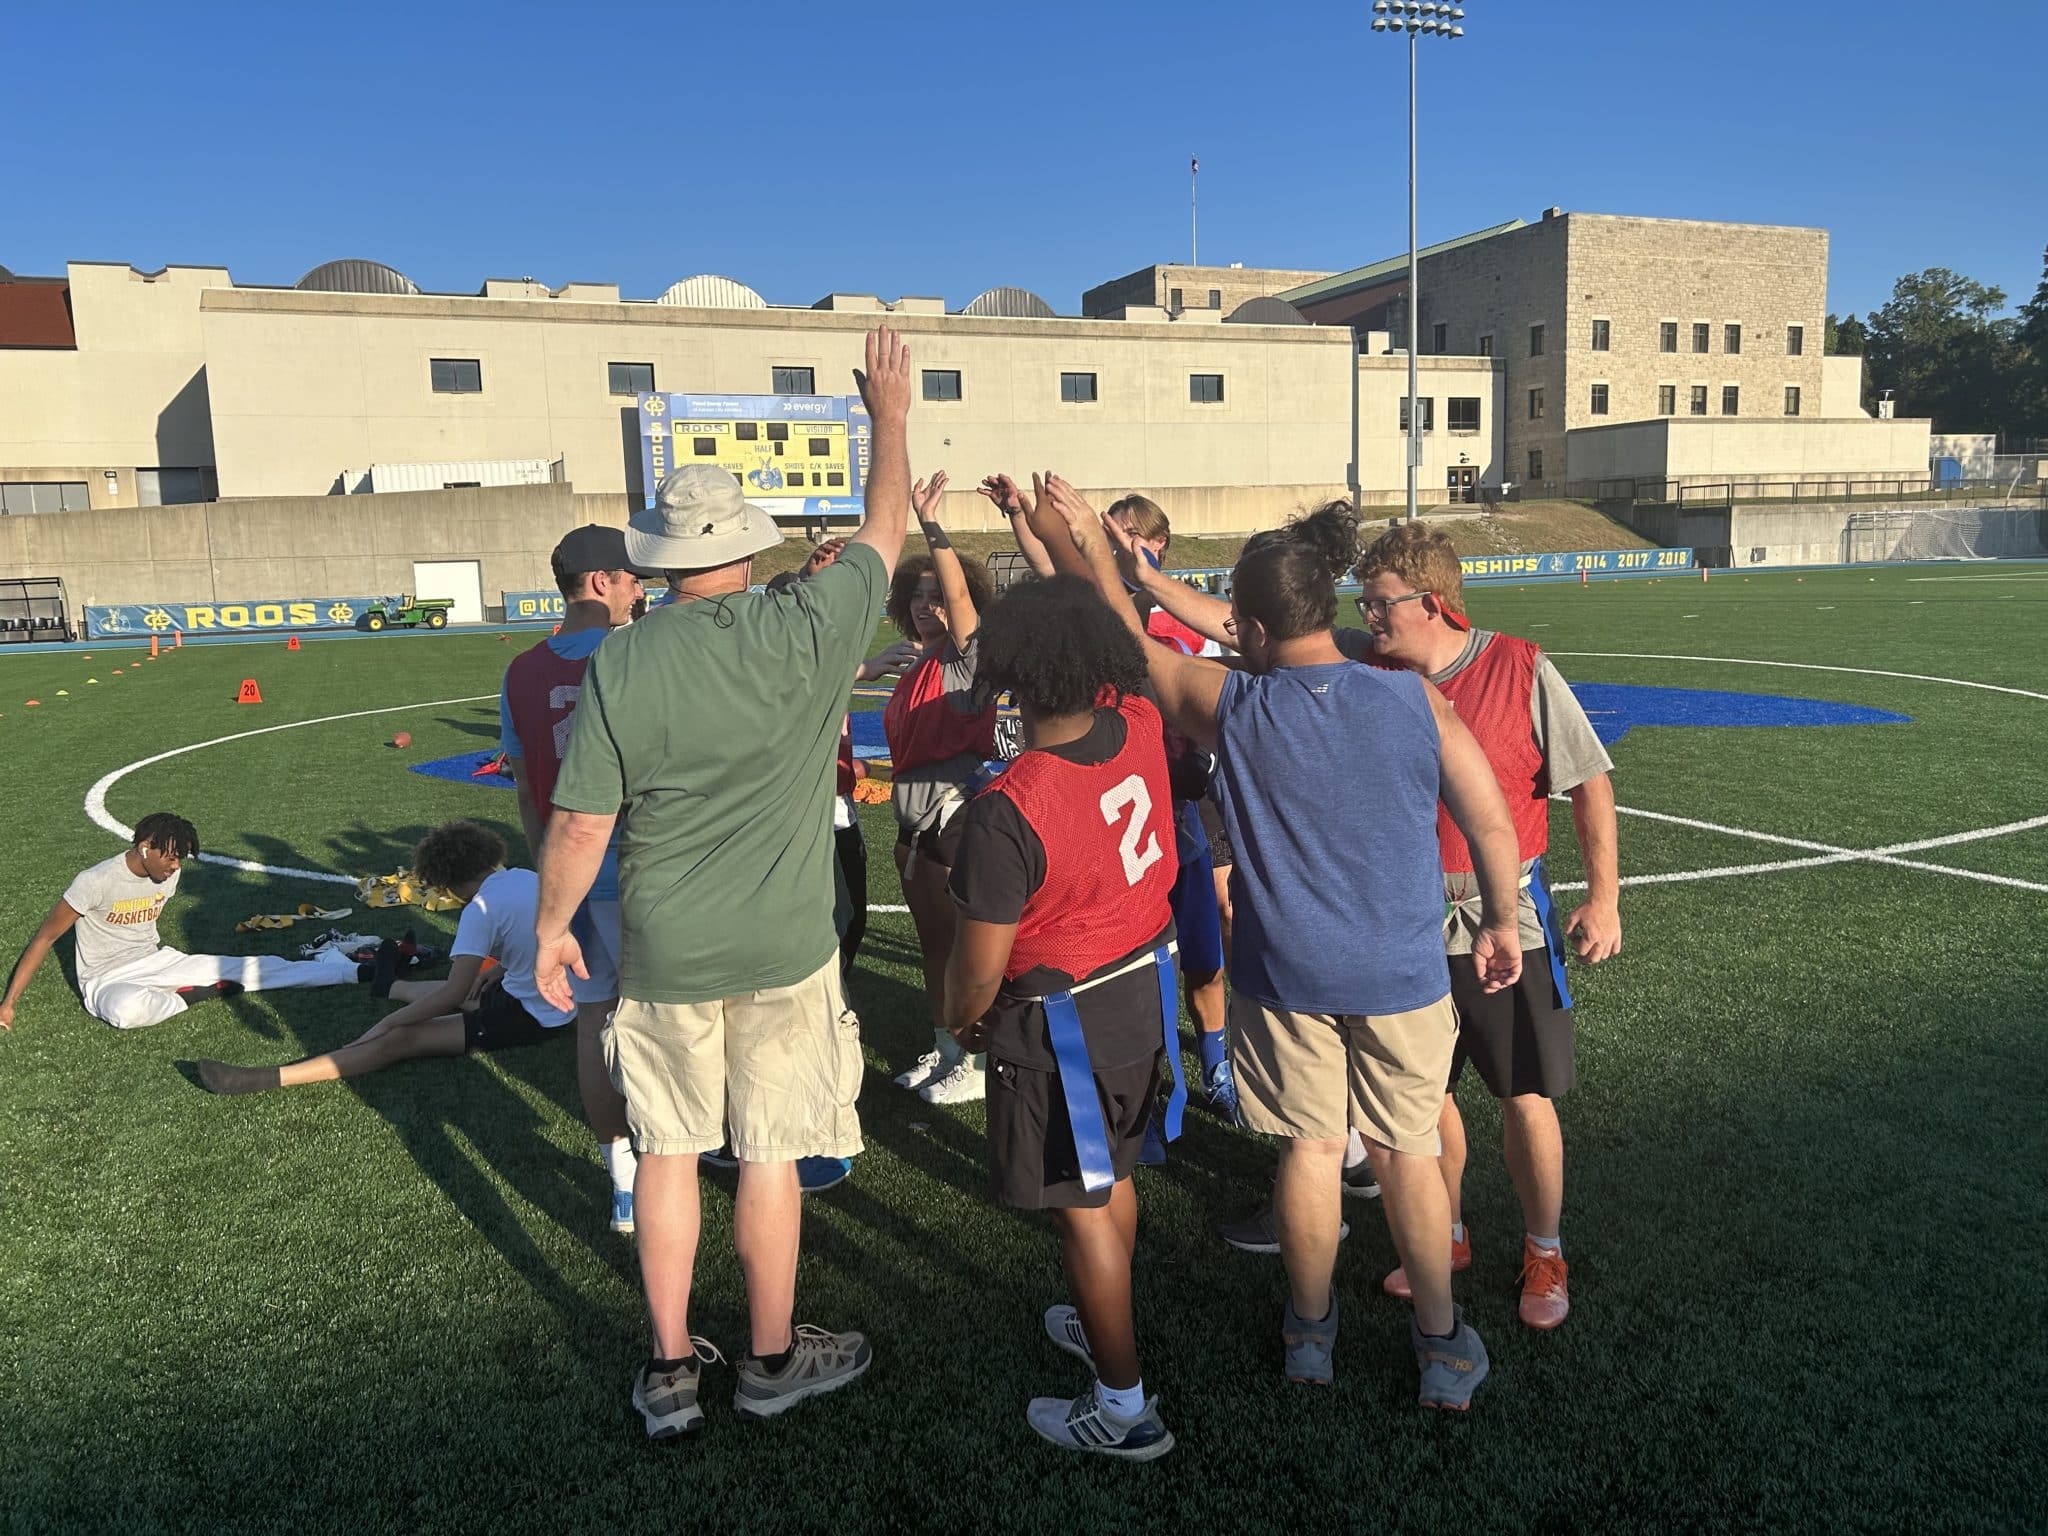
(1194, 246)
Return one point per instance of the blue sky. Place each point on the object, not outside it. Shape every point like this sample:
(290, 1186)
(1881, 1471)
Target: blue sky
(929, 148)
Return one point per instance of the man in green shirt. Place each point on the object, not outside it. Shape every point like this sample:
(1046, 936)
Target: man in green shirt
(712, 727)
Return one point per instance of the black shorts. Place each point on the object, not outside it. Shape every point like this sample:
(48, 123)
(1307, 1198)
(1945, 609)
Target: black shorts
(497, 1021)
(1519, 1039)
(1221, 854)
(941, 847)
(1032, 1163)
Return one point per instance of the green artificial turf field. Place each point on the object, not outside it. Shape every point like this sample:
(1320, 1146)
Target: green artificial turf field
(1804, 1202)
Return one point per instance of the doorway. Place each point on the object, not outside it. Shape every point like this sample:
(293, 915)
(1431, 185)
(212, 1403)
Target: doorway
(1464, 483)
(461, 580)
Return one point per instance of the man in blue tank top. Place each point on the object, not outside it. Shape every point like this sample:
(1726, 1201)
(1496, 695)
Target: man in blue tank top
(1328, 778)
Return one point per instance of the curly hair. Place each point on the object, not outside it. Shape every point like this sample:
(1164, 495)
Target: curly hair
(457, 853)
(167, 833)
(1286, 578)
(1055, 645)
(1422, 557)
(914, 568)
(1330, 532)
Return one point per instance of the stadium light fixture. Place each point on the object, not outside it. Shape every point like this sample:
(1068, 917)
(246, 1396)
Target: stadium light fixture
(1413, 19)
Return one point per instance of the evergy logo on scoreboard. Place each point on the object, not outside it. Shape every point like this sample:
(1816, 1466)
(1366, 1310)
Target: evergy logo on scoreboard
(795, 456)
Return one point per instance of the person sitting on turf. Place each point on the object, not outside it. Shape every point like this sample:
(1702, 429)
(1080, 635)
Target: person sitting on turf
(126, 977)
(452, 1017)
(535, 706)
(1062, 970)
(1341, 1013)
(1540, 743)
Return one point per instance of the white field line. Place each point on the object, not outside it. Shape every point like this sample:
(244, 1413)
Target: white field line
(1809, 666)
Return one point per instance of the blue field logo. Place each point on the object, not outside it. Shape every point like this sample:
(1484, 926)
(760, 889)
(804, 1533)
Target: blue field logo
(1617, 708)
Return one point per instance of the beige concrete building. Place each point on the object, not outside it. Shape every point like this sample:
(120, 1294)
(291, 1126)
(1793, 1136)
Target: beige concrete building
(1190, 293)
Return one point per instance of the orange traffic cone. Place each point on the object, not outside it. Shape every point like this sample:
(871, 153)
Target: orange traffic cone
(1703, 573)
(1582, 576)
(292, 644)
(152, 647)
(250, 693)
(177, 638)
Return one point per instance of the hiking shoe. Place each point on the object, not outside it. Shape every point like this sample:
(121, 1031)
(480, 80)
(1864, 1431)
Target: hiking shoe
(1396, 1284)
(219, 1077)
(1451, 1368)
(1084, 1424)
(722, 1158)
(964, 1084)
(622, 1211)
(816, 1173)
(1260, 1233)
(210, 991)
(1545, 1299)
(1361, 1182)
(667, 1400)
(1063, 1327)
(1219, 1089)
(929, 1067)
(819, 1362)
(1310, 1346)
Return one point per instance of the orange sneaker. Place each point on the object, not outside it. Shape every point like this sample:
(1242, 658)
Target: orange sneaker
(1545, 1300)
(1396, 1284)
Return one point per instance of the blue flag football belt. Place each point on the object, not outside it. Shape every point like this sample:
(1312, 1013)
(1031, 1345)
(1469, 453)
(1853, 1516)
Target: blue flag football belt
(1077, 1076)
(1546, 914)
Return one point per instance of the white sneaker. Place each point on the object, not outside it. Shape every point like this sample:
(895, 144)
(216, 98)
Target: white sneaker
(927, 1068)
(965, 1084)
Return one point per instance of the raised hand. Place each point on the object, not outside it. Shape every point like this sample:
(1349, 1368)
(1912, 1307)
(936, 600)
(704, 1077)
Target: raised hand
(926, 495)
(900, 657)
(1007, 495)
(885, 382)
(1082, 520)
(824, 555)
(1130, 564)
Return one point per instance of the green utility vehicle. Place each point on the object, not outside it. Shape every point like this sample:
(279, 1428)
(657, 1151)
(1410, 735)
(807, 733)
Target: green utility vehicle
(407, 612)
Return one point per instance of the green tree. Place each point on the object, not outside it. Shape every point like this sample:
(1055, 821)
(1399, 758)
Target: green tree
(1846, 336)
(2031, 384)
(1942, 348)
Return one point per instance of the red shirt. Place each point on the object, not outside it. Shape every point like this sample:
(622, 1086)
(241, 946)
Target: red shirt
(541, 690)
(1491, 694)
(923, 724)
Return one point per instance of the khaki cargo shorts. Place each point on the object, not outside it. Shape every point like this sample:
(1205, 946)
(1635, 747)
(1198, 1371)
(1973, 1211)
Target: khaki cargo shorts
(778, 1070)
(1316, 1076)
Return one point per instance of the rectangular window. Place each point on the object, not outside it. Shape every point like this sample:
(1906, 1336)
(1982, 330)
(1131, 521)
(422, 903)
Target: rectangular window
(1795, 341)
(1215, 298)
(1486, 346)
(21, 498)
(1701, 331)
(1667, 399)
(942, 383)
(1535, 341)
(1791, 399)
(1173, 299)
(1699, 400)
(1439, 339)
(1464, 413)
(1731, 400)
(704, 447)
(1077, 388)
(1535, 463)
(1601, 334)
(1599, 404)
(630, 378)
(1428, 413)
(1731, 339)
(1205, 388)
(1535, 405)
(793, 381)
(1667, 336)
(456, 375)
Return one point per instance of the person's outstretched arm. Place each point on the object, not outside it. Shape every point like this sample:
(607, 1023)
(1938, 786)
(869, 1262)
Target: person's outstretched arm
(1472, 795)
(963, 619)
(1187, 687)
(885, 388)
(55, 926)
(1011, 501)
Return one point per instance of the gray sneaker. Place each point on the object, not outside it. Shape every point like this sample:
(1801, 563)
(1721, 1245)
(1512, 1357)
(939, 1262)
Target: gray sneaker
(667, 1400)
(1261, 1234)
(1310, 1346)
(1085, 1425)
(1063, 1327)
(1451, 1368)
(820, 1362)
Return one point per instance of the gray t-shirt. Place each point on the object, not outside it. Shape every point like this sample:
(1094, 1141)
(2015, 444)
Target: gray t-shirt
(117, 912)
(1572, 754)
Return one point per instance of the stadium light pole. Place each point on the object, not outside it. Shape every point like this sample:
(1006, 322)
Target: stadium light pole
(1413, 19)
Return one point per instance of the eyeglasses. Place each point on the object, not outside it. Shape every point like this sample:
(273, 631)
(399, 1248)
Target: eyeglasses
(1376, 607)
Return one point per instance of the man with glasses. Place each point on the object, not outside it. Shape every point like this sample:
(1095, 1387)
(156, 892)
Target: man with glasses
(1539, 743)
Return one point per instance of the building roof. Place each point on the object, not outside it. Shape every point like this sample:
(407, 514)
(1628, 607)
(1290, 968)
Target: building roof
(36, 312)
(1380, 271)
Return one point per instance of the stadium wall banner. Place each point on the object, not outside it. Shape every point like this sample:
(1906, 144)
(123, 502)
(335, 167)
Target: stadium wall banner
(1594, 562)
(526, 607)
(111, 621)
(795, 456)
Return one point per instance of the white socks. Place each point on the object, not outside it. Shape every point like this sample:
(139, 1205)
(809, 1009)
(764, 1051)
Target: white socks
(1457, 1231)
(1354, 1150)
(1553, 1244)
(620, 1163)
(1122, 1402)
